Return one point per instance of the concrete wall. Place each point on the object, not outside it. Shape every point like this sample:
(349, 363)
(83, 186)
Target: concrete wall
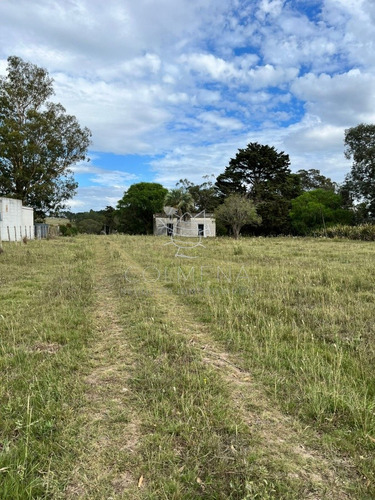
(16, 221)
(190, 227)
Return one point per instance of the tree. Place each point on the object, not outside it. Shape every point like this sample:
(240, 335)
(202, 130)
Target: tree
(180, 199)
(236, 212)
(360, 146)
(274, 204)
(251, 169)
(89, 222)
(262, 174)
(313, 179)
(109, 214)
(39, 142)
(137, 206)
(205, 195)
(318, 209)
(89, 226)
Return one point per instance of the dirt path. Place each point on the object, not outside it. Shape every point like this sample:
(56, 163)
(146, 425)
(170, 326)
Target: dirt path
(112, 429)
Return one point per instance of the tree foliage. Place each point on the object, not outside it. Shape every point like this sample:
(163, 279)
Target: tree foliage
(262, 174)
(137, 206)
(89, 226)
(110, 222)
(236, 212)
(180, 199)
(274, 203)
(360, 147)
(91, 222)
(313, 179)
(251, 169)
(39, 142)
(205, 195)
(318, 209)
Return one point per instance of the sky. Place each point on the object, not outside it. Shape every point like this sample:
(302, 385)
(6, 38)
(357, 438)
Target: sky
(171, 89)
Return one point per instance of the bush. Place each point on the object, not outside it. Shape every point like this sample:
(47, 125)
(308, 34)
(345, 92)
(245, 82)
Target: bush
(313, 210)
(68, 230)
(364, 232)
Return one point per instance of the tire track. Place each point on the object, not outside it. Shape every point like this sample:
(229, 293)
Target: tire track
(283, 441)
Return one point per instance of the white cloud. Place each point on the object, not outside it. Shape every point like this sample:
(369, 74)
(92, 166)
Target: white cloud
(242, 71)
(343, 99)
(269, 76)
(219, 121)
(105, 177)
(191, 81)
(119, 116)
(270, 7)
(315, 138)
(96, 198)
(214, 67)
(137, 67)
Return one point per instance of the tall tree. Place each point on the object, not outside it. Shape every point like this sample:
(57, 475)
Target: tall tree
(360, 146)
(252, 168)
(236, 212)
(39, 142)
(262, 174)
(137, 206)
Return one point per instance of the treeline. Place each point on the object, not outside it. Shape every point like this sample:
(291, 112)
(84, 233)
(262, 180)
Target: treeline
(256, 194)
(92, 222)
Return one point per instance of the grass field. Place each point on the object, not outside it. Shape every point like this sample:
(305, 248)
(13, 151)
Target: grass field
(246, 372)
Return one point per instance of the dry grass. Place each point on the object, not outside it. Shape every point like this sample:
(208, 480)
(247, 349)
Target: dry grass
(244, 373)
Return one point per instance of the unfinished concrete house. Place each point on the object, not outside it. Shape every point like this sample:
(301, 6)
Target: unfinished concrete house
(188, 225)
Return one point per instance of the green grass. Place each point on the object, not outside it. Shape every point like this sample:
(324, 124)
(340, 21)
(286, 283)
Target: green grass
(299, 314)
(45, 290)
(288, 412)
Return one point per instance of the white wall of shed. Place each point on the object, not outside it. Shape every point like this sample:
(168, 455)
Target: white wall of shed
(16, 221)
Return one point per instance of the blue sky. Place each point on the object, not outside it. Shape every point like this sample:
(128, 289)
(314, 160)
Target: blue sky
(172, 89)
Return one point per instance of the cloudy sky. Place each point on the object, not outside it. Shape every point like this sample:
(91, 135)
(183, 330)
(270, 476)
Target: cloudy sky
(172, 89)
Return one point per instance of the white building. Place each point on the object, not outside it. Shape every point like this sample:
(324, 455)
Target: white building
(193, 225)
(16, 221)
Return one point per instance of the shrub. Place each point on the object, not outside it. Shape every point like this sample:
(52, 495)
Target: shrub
(364, 232)
(68, 230)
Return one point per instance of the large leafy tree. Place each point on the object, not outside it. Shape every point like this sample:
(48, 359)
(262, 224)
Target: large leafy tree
(262, 174)
(318, 209)
(236, 212)
(360, 182)
(252, 168)
(39, 142)
(137, 206)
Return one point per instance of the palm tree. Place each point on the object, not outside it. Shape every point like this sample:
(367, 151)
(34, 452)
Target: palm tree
(179, 199)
